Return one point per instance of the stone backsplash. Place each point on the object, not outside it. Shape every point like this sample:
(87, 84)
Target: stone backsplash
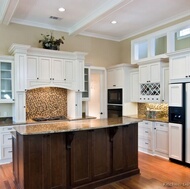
(46, 102)
(142, 107)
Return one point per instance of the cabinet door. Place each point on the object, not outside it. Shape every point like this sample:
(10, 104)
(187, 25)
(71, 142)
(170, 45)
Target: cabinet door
(32, 68)
(44, 69)
(57, 70)
(85, 93)
(6, 84)
(175, 141)
(154, 70)
(101, 154)
(144, 74)
(134, 86)
(69, 71)
(125, 156)
(161, 138)
(81, 158)
(175, 95)
(165, 92)
(115, 78)
(179, 67)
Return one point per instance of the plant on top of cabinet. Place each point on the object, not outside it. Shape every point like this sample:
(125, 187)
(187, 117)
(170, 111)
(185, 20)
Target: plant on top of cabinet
(49, 41)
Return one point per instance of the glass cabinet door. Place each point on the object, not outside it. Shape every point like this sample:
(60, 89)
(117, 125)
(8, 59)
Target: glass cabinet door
(85, 93)
(6, 80)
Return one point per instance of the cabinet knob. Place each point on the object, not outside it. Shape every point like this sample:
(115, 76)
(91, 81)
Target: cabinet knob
(114, 85)
(101, 113)
(186, 76)
(37, 77)
(64, 79)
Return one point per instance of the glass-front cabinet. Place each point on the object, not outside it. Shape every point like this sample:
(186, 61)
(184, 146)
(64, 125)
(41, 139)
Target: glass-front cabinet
(85, 93)
(6, 84)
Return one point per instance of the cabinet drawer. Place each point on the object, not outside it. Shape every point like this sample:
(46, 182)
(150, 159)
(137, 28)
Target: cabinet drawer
(161, 126)
(145, 143)
(6, 152)
(6, 128)
(6, 139)
(145, 132)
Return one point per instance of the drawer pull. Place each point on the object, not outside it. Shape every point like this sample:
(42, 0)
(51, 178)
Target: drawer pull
(9, 128)
(146, 142)
(10, 151)
(161, 125)
(146, 131)
(9, 138)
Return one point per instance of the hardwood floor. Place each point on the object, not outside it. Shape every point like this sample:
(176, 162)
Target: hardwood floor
(156, 173)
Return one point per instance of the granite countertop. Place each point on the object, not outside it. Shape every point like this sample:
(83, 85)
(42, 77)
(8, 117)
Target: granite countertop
(143, 117)
(69, 126)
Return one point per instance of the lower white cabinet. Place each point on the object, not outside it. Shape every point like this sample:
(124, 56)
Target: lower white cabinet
(74, 104)
(161, 139)
(175, 141)
(154, 138)
(5, 144)
(146, 137)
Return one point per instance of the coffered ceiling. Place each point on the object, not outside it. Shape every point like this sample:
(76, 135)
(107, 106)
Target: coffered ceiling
(93, 17)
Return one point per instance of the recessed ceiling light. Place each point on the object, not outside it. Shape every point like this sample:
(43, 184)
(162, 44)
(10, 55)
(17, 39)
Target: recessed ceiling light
(61, 9)
(114, 22)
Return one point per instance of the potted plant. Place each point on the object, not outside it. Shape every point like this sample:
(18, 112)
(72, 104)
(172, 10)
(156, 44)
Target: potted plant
(49, 41)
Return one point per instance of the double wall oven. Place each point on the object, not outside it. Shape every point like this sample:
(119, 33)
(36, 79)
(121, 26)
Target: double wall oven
(115, 102)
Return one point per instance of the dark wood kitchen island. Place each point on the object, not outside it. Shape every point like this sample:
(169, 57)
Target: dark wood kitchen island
(75, 154)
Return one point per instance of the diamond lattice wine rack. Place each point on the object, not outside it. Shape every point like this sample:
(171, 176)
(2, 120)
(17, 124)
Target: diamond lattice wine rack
(150, 89)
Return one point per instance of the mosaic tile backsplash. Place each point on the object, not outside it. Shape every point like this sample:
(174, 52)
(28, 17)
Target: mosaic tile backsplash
(142, 108)
(46, 102)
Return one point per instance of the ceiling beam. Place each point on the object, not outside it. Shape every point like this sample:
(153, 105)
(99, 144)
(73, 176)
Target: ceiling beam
(98, 14)
(9, 11)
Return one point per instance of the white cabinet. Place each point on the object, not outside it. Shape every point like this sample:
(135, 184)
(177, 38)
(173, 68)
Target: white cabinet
(74, 104)
(115, 77)
(175, 141)
(175, 95)
(153, 79)
(153, 138)
(179, 65)
(6, 144)
(86, 92)
(6, 78)
(165, 89)
(134, 86)
(149, 73)
(161, 139)
(146, 136)
(42, 71)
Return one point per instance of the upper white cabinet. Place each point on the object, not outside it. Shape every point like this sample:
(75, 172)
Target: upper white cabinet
(175, 95)
(6, 78)
(115, 77)
(149, 73)
(153, 81)
(134, 86)
(50, 71)
(180, 66)
(86, 92)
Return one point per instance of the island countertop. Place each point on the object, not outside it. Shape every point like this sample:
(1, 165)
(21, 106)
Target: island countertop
(69, 126)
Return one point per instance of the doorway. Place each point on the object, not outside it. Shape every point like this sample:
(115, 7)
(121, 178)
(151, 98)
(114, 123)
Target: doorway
(98, 93)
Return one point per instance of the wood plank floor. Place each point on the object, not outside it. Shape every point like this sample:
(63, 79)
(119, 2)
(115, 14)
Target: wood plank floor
(156, 173)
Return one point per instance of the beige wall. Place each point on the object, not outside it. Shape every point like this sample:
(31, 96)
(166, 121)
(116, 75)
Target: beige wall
(100, 52)
(126, 44)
